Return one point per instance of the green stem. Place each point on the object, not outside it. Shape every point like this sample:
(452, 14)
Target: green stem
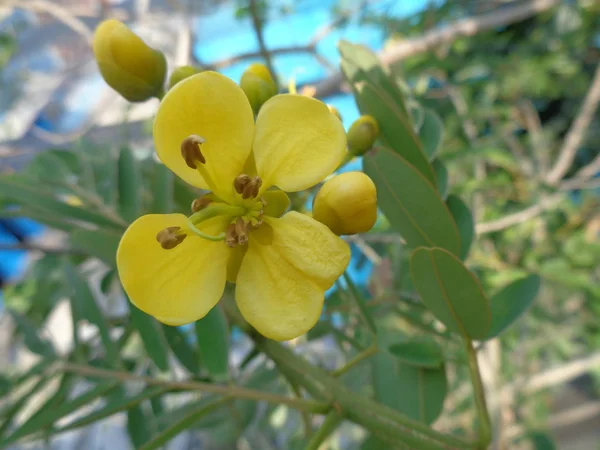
(356, 360)
(485, 425)
(331, 422)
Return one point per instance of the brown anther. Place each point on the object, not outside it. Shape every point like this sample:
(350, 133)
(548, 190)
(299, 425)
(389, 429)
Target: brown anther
(169, 238)
(252, 188)
(200, 203)
(231, 238)
(240, 182)
(241, 230)
(190, 150)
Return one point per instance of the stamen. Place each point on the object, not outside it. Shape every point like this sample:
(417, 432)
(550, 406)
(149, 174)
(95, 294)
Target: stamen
(247, 186)
(201, 203)
(240, 231)
(190, 150)
(170, 237)
(231, 236)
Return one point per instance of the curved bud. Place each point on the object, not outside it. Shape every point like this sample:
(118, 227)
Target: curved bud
(347, 203)
(362, 135)
(127, 64)
(258, 85)
(181, 73)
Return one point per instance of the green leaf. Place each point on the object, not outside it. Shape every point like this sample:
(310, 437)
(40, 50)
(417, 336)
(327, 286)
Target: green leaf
(32, 340)
(419, 352)
(129, 185)
(542, 441)
(152, 337)
(100, 243)
(415, 391)
(9, 412)
(360, 303)
(395, 127)
(184, 424)
(119, 404)
(464, 221)
(88, 309)
(451, 292)
(441, 175)
(162, 189)
(410, 202)
(212, 332)
(184, 352)
(137, 426)
(42, 201)
(511, 302)
(431, 133)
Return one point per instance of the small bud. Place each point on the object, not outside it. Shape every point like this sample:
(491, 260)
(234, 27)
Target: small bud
(190, 150)
(258, 85)
(334, 111)
(169, 238)
(181, 73)
(347, 203)
(362, 135)
(127, 64)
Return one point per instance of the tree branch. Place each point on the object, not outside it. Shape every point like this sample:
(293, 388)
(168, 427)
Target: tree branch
(577, 131)
(258, 23)
(465, 27)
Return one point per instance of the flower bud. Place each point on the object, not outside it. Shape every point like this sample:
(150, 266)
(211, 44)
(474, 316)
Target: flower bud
(347, 203)
(127, 64)
(258, 85)
(362, 135)
(181, 73)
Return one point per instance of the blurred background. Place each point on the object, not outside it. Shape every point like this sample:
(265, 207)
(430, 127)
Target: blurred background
(516, 85)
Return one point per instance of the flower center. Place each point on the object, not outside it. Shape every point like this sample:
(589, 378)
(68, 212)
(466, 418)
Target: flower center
(245, 211)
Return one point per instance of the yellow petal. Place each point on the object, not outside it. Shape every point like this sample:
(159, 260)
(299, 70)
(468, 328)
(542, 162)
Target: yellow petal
(289, 265)
(176, 286)
(277, 202)
(298, 142)
(214, 107)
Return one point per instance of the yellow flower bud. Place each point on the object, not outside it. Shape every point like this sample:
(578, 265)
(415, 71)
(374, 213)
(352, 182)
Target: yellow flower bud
(362, 135)
(347, 203)
(258, 85)
(181, 73)
(334, 111)
(127, 64)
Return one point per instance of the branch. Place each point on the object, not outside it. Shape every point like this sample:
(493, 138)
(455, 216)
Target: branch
(589, 170)
(519, 217)
(257, 23)
(233, 391)
(250, 55)
(465, 27)
(577, 131)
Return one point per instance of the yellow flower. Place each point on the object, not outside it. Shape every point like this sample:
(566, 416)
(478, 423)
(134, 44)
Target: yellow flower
(127, 64)
(347, 203)
(204, 131)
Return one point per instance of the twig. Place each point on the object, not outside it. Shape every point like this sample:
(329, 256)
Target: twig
(258, 23)
(233, 391)
(577, 131)
(519, 217)
(589, 170)
(443, 35)
(367, 250)
(250, 55)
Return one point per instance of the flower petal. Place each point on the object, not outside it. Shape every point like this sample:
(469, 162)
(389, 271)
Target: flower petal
(176, 286)
(298, 142)
(289, 265)
(214, 107)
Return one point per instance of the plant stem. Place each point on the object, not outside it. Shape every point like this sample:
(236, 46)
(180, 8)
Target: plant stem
(485, 427)
(356, 360)
(233, 391)
(331, 422)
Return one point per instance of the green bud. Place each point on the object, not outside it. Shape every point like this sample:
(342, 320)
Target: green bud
(127, 64)
(181, 73)
(258, 85)
(362, 135)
